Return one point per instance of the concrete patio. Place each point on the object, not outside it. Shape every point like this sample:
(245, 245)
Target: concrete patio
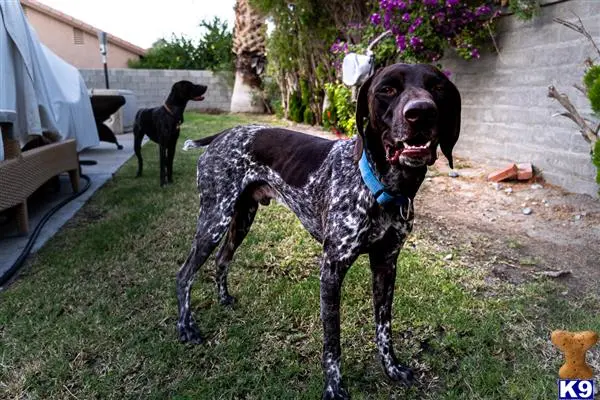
(108, 159)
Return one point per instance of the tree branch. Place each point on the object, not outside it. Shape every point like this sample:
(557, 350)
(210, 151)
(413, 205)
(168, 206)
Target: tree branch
(578, 28)
(588, 134)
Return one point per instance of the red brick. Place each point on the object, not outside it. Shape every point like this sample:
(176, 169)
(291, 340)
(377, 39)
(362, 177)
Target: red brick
(500, 175)
(525, 171)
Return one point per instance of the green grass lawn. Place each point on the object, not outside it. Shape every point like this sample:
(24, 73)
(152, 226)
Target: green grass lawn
(93, 315)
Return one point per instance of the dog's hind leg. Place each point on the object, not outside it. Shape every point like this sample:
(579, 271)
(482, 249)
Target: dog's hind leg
(213, 221)
(138, 136)
(241, 222)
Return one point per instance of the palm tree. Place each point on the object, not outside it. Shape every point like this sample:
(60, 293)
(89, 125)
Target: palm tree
(249, 42)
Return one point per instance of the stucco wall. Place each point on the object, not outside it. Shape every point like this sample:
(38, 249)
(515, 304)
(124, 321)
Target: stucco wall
(507, 115)
(58, 37)
(151, 87)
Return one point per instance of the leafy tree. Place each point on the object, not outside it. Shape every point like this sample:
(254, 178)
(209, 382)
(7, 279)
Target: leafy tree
(212, 51)
(297, 49)
(215, 46)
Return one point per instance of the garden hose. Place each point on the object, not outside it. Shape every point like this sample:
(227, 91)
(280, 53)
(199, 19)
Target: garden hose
(25, 253)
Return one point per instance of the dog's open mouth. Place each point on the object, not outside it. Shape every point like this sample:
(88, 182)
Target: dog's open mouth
(410, 148)
(198, 98)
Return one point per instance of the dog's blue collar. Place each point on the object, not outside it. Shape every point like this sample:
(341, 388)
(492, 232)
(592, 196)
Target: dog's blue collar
(376, 187)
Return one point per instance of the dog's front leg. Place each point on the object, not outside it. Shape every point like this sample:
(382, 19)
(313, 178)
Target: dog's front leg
(383, 268)
(332, 276)
(162, 155)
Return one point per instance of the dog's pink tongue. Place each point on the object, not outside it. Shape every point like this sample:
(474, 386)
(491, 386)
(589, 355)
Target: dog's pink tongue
(415, 151)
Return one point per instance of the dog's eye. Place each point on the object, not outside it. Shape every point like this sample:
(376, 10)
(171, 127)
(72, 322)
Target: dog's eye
(438, 87)
(388, 91)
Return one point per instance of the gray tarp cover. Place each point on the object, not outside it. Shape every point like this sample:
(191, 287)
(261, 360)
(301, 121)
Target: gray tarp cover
(47, 93)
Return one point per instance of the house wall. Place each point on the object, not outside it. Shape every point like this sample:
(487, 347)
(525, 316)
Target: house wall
(506, 113)
(152, 86)
(58, 37)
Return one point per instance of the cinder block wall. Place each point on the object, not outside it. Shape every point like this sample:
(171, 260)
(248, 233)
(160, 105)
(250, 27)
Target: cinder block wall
(152, 86)
(506, 113)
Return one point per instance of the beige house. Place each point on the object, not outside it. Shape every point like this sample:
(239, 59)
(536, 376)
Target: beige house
(75, 41)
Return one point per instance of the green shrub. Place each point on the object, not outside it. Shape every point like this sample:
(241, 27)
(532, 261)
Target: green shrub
(594, 96)
(271, 95)
(296, 112)
(329, 114)
(309, 116)
(596, 159)
(345, 109)
(591, 80)
(591, 76)
(340, 114)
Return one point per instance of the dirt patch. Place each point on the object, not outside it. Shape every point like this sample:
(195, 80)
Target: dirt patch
(485, 222)
(561, 233)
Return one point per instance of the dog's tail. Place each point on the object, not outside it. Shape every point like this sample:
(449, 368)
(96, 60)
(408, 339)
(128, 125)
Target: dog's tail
(193, 144)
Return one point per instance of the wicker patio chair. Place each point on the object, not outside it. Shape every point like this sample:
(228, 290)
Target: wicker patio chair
(22, 173)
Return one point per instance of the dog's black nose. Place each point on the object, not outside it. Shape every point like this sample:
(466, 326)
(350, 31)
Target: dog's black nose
(420, 112)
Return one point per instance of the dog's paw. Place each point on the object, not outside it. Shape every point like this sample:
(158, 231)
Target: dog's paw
(190, 334)
(335, 392)
(227, 300)
(400, 374)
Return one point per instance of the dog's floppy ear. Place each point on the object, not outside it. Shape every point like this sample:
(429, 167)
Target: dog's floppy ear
(362, 114)
(449, 124)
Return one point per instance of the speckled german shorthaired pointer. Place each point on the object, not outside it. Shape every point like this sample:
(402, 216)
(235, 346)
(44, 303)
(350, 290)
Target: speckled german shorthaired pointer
(161, 125)
(353, 196)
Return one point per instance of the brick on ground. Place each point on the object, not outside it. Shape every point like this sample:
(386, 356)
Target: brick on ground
(509, 172)
(525, 171)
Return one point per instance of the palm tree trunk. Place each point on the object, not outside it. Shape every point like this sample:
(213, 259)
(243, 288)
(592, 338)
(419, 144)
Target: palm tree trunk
(249, 47)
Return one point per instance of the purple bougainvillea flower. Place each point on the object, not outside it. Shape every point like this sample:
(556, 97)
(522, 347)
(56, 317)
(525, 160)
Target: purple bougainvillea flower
(401, 42)
(439, 16)
(375, 19)
(417, 22)
(447, 72)
(386, 20)
(452, 3)
(430, 2)
(482, 10)
(416, 43)
(475, 53)
(406, 17)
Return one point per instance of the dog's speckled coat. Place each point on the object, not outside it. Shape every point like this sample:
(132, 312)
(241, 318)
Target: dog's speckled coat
(404, 107)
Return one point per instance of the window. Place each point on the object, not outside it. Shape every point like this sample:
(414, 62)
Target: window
(77, 36)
